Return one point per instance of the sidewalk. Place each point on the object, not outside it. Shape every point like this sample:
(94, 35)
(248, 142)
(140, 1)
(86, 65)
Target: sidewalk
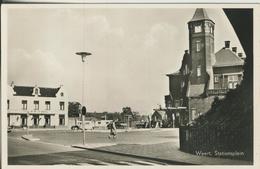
(162, 152)
(95, 130)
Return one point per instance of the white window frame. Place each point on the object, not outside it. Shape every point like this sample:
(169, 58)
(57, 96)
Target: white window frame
(197, 29)
(233, 78)
(198, 71)
(198, 46)
(216, 79)
(48, 105)
(36, 104)
(24, 103)
(211, 29)
(193, 113)
(62, 105)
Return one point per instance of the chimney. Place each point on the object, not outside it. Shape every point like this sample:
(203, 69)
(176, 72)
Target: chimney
(234, 49)
(12, 84)
(227, 44)
(240, 55)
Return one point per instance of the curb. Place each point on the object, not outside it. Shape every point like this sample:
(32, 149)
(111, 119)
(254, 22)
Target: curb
(30, 138)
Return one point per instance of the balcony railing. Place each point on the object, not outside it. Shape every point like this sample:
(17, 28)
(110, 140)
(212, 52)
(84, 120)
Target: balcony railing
(217, 91)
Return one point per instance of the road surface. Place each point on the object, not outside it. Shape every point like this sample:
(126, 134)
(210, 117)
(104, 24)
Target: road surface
(54, 148)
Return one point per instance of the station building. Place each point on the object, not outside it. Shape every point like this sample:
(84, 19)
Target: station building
(203, 74)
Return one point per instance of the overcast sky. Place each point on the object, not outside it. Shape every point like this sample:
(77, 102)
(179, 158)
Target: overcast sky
(133, 50)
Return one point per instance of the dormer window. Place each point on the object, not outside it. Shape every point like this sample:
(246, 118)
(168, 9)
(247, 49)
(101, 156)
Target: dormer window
(36, 91)
(61, 94)
(197, 29)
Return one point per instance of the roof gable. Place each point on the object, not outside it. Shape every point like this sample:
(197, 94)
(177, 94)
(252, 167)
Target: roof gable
(225, 57)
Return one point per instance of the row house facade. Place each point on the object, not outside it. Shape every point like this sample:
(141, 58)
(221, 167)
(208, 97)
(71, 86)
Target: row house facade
(203, 74)
(37, 107)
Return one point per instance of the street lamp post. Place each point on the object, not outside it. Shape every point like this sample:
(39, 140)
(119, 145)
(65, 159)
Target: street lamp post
(27, 122)
(83, 110)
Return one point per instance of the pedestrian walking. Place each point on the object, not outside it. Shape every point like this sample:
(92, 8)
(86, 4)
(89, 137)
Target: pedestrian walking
(113, 133)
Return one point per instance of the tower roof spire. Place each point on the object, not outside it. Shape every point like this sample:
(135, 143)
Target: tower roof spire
(200, 14)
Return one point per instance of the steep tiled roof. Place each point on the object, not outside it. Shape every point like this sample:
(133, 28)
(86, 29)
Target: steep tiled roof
(28, 91)
(200, 14)
(23, 90)
(174, 74)
(225, 57)
(49, 92)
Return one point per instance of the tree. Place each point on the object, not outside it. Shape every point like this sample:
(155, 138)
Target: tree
(74, 109)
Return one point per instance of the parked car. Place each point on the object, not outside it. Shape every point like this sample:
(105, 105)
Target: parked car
(140, 125)
(76, 127)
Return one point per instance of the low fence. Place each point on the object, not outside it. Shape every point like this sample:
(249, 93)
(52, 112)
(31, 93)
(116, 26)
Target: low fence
(217, 142)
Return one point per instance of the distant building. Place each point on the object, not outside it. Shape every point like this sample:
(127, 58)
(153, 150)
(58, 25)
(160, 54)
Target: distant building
(158, 117)
(46, 107)
(203, 74)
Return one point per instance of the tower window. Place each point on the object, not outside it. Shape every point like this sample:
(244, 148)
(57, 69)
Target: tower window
(207, 27)
(198, 71)
(198, 46)
(8, 104)
(211, 29)
(197, 29)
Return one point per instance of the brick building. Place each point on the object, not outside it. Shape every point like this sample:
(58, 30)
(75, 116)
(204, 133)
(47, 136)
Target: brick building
(204, 74)
(37, 106)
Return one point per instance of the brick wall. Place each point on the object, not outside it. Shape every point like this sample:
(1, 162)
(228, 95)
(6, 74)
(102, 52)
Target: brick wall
(200, 105)
(217, 142)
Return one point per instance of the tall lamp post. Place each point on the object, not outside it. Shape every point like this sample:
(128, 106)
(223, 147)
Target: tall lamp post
(83, 109)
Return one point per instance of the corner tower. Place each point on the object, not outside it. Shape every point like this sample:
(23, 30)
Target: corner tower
(201, 46)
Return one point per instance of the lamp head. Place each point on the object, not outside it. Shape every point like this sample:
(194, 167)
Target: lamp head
(83, 55)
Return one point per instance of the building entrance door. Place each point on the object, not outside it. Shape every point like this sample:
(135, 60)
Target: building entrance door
(35, 120)
(47, 121)
(24, 120)
(61, 120)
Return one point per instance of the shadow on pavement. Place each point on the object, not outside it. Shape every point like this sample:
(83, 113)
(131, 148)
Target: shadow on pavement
(169, 162)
